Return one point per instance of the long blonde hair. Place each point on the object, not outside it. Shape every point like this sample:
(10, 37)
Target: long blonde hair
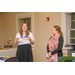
(59, 30)
(21, 31)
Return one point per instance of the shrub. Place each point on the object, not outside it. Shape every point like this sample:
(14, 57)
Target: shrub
(67, 59)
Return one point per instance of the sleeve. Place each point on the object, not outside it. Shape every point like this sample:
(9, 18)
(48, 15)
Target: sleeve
(17, 35)
(59, 47)
(48, 46)
(31, 36)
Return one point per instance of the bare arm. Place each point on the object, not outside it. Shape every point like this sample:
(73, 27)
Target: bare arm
(16, 41)
(32, 41)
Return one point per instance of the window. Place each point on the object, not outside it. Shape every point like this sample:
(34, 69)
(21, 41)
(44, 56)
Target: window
(70, 28)
(27, 20)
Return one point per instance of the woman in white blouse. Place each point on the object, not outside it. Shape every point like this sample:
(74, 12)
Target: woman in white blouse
(24, 39)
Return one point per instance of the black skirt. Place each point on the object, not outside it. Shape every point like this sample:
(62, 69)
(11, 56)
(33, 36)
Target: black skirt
(24, 53)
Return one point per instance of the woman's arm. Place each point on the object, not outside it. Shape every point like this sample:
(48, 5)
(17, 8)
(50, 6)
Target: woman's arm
(16, 38)
(59, 47)
(16, 41)
(31, 41)
(48, 48)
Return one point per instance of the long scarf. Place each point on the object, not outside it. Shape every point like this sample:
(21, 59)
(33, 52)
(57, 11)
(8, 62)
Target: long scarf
(53, 44)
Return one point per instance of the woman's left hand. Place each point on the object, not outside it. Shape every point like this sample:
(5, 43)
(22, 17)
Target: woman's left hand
(29, 37)
(32, 41)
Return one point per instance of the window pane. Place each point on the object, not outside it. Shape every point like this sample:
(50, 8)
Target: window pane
(72, 41)
(29, 23)
(24, 19)
(72, 16)
(72, 24)
(72, 33)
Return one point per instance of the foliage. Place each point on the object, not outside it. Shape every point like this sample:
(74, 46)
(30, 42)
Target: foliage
(67, 59)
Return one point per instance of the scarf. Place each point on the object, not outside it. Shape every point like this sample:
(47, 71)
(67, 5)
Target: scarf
(53, 44)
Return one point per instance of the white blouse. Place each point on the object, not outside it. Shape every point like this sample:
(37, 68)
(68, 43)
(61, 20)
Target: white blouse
(24, 39)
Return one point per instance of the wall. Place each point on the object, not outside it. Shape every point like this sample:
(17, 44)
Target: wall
(43, 31)
(9, 26)
(1, 30)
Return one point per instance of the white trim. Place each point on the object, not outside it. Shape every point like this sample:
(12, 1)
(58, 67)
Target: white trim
(25, 15)
(63, 26)
(64, 51)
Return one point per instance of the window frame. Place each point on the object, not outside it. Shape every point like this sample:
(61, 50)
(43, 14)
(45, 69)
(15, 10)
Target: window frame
(64, 30)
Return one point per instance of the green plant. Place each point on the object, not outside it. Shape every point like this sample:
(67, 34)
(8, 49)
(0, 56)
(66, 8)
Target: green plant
(67, 59)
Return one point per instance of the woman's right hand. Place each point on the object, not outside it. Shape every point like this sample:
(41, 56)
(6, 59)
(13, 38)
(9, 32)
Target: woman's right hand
(49, 54)
(17, 39)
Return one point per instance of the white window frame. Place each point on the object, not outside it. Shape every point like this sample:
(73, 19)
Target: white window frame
(63, 29)
(70, 26)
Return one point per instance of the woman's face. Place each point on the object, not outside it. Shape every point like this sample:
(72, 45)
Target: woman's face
(54, 31)
(24, 27)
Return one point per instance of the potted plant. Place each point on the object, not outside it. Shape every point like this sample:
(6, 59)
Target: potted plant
(67, 59)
